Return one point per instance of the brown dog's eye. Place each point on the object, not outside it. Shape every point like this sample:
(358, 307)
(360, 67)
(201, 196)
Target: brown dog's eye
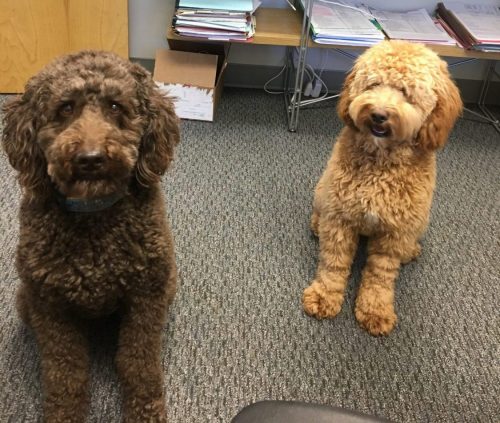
(115, 108)
(66, 109)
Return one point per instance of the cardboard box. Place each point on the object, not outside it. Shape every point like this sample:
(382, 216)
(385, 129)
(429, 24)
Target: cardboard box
(194, 81)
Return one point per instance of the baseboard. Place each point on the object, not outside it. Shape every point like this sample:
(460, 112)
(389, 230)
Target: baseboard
(256, 76)
(149, 64)
(251, 76)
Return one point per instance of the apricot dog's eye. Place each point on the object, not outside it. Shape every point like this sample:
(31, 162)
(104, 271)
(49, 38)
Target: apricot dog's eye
(115, 108)
(66, 109)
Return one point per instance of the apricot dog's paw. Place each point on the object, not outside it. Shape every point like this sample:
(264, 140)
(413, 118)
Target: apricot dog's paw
(315, 223)
(319, 303)
(413, 254)
(376, 321)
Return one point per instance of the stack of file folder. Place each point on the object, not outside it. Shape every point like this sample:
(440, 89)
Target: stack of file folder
(226, 20)
(344, 23)
(475, 26)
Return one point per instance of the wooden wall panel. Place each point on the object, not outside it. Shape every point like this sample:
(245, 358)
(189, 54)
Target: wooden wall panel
(98, 24)
(33, 32)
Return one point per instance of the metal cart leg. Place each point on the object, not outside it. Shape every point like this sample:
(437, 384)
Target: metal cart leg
(293, 107)
(482, 97)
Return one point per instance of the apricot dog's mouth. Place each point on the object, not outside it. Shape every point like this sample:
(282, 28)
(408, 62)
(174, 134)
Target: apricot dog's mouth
(379, 130)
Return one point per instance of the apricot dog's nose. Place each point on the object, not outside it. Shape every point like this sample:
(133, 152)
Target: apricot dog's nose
(90, 160)
(378, 117)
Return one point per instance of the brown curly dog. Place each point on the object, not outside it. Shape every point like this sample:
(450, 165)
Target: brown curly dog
(399, 105)
(90, 138)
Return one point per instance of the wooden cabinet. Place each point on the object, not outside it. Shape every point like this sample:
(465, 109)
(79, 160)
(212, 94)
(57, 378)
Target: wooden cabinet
(33, 32)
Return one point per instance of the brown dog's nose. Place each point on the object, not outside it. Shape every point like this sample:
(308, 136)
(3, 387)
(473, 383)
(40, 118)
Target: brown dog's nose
(378, 117)
(89, 160)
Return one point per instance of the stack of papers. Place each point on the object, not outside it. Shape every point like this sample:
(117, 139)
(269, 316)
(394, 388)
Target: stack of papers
(344, 23)
(415, 26)
(226, 20)
(475, 26)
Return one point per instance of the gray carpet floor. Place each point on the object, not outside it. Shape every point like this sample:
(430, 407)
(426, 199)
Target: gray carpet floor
(239, 199)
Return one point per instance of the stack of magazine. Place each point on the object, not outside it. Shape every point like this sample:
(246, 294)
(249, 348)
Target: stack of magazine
(344, 23)
(414, 26)
(475, 26)
(226, 20)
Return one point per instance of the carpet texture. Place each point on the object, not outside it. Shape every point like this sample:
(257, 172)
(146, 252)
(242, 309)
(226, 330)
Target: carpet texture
(239, 200)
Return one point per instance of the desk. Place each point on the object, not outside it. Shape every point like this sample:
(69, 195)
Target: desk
(288, 28)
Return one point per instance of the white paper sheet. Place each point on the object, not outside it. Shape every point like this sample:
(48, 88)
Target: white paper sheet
(190, 102)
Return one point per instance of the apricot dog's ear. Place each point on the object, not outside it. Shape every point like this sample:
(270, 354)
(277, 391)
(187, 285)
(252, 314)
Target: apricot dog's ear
(162, 131)
(345, 100)
(434, 132)
(19, 138)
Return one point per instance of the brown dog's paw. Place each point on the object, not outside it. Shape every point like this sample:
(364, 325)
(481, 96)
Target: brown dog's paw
(319, 303)
(377, 321)
(153, 412)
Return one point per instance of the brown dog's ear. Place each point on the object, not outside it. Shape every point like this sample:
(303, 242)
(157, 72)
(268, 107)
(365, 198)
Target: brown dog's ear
(345, 100)
(19, 141)
(434, 132)
(162, 130)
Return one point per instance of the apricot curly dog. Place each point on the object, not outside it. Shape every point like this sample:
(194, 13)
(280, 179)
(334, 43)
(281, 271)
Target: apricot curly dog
(90, 138)
(399, 105)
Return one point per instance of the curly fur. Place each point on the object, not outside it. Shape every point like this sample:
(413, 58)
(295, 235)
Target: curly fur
(80, 266)
(399, 105)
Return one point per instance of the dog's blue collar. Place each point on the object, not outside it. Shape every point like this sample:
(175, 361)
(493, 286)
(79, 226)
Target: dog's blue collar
(90, 205)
